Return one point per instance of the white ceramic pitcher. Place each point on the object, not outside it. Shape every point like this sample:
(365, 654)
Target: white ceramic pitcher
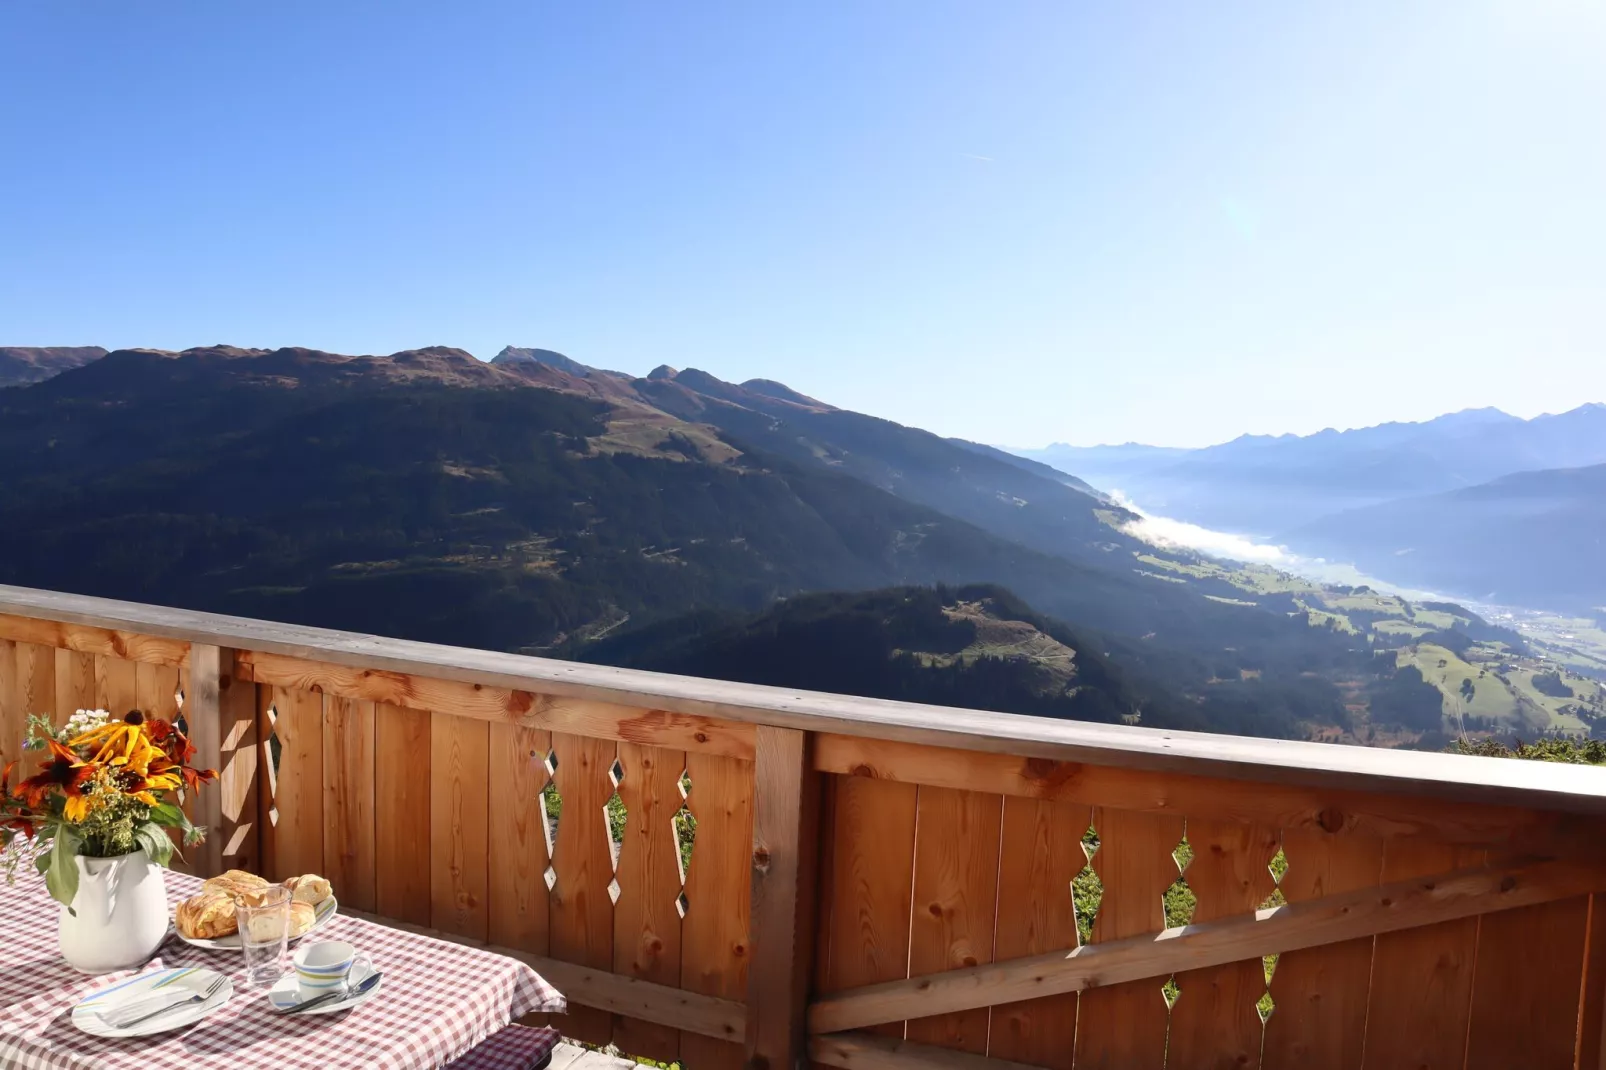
(121, 914)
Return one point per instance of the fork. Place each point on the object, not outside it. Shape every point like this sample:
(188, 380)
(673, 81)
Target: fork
(199, 997)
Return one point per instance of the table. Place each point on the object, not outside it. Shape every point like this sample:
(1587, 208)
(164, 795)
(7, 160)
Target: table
(437, 1001)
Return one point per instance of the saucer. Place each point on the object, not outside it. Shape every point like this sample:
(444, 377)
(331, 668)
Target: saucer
(86, 1016)
(285, 993)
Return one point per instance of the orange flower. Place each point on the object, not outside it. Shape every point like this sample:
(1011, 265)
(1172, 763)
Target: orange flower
(63, 770)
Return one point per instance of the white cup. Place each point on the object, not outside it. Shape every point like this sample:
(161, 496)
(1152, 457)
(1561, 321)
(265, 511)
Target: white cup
(323, 967)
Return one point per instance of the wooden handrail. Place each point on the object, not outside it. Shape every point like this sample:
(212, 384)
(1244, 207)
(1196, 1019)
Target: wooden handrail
(1453, 777)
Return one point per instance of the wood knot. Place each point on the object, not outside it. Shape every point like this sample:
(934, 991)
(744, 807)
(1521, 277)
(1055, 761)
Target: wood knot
(935, 909)
(1508, 882)
(701, 737)
(761, 857)
(1331, 820)
(862, 770)
(739, 950)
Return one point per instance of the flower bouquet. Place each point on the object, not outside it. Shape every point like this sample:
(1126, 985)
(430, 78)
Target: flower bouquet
(96, 815)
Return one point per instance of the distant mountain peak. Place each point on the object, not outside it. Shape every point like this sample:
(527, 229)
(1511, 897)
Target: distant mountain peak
(781, 392)
(662, 372)
(549, 357)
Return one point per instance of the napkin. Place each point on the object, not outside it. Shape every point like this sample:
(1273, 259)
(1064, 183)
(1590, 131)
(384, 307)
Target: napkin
(129, 1010)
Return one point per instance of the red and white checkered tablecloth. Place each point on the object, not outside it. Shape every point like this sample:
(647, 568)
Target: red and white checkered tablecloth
(438, 1000)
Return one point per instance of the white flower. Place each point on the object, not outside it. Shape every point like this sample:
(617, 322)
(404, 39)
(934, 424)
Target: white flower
(85, 721)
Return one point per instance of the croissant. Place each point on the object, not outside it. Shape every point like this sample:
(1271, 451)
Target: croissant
(237, 883)
(309, 888)
(207, 916)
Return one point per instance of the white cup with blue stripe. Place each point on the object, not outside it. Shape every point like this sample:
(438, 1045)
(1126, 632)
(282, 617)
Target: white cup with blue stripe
(323, 967)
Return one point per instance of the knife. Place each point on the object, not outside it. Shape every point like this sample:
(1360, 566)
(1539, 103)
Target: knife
(339, 995)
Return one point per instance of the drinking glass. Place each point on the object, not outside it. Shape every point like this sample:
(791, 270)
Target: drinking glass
(264, 919)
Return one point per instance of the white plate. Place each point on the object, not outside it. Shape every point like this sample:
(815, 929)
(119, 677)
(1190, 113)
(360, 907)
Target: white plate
(285, 994)
(86, 1014)
(322, 913)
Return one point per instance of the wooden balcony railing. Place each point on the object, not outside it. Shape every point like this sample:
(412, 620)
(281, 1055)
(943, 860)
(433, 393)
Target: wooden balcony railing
(874, 884)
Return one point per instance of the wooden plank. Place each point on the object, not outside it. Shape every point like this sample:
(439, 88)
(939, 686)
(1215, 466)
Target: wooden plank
(1526, 987)
(348, 799)
(1120, 1025)
(1459, 778)
(239, 827)
(36, 679)
(955, 900)
(646, 923)
(402, 778)
(293, 832)
(868, 1051)
(714, 946)
(1320, 992)
(13, 717)
(85, 639)
(873, 845)
(698, 1015)
(1040, 855)
(459, 811)
(1591, 1051)
(516, 838)
(156, 689)
(630, 724)
(116, 690)
(1214, 1021)
(75, 684)
(786, 836)
(1421, 979)
(202, 715)
(1297, 807)
(1410, 904)
(580, 913)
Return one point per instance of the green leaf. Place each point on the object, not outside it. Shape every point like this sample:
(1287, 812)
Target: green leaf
(168, 815)
(62, 876)
(155, 843)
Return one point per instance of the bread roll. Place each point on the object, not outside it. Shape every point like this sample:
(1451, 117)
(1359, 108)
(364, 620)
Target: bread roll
(206, 916)
(237, 883)
(309, 888)
(302, 918)
(265, 927)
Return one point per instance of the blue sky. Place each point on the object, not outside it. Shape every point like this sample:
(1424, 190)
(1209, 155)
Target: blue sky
(1011, 221)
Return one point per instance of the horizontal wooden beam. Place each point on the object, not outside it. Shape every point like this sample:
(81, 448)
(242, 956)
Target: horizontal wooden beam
(601, 720)
(87, 639)
(1577, 789)
(868, 1051)
(677, 1008)
(1331, 919)
(1535, 833)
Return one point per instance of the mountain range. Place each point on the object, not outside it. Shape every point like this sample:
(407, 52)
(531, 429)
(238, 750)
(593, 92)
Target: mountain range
(1477, 504)
(20, 365)
(682, 522)
(534, 503)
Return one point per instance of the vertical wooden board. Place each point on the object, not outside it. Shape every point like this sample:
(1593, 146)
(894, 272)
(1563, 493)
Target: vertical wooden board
(516, 839)
(1526, 986)
(1421, 978)
(348, 799)
(458, 808)
(402, 777)
(714, 933)
(955, 899)
(238, 768)
(580, 913)
(156, 690)
(13, 718)
(75, 684)
(295, 820)
(646, 923)
(872, 867)
(1591, 1053)
(1214, 1022)
(1320, 992)
(36, 679)
(116, 690)
(1123, 1027)
(1040, 854)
